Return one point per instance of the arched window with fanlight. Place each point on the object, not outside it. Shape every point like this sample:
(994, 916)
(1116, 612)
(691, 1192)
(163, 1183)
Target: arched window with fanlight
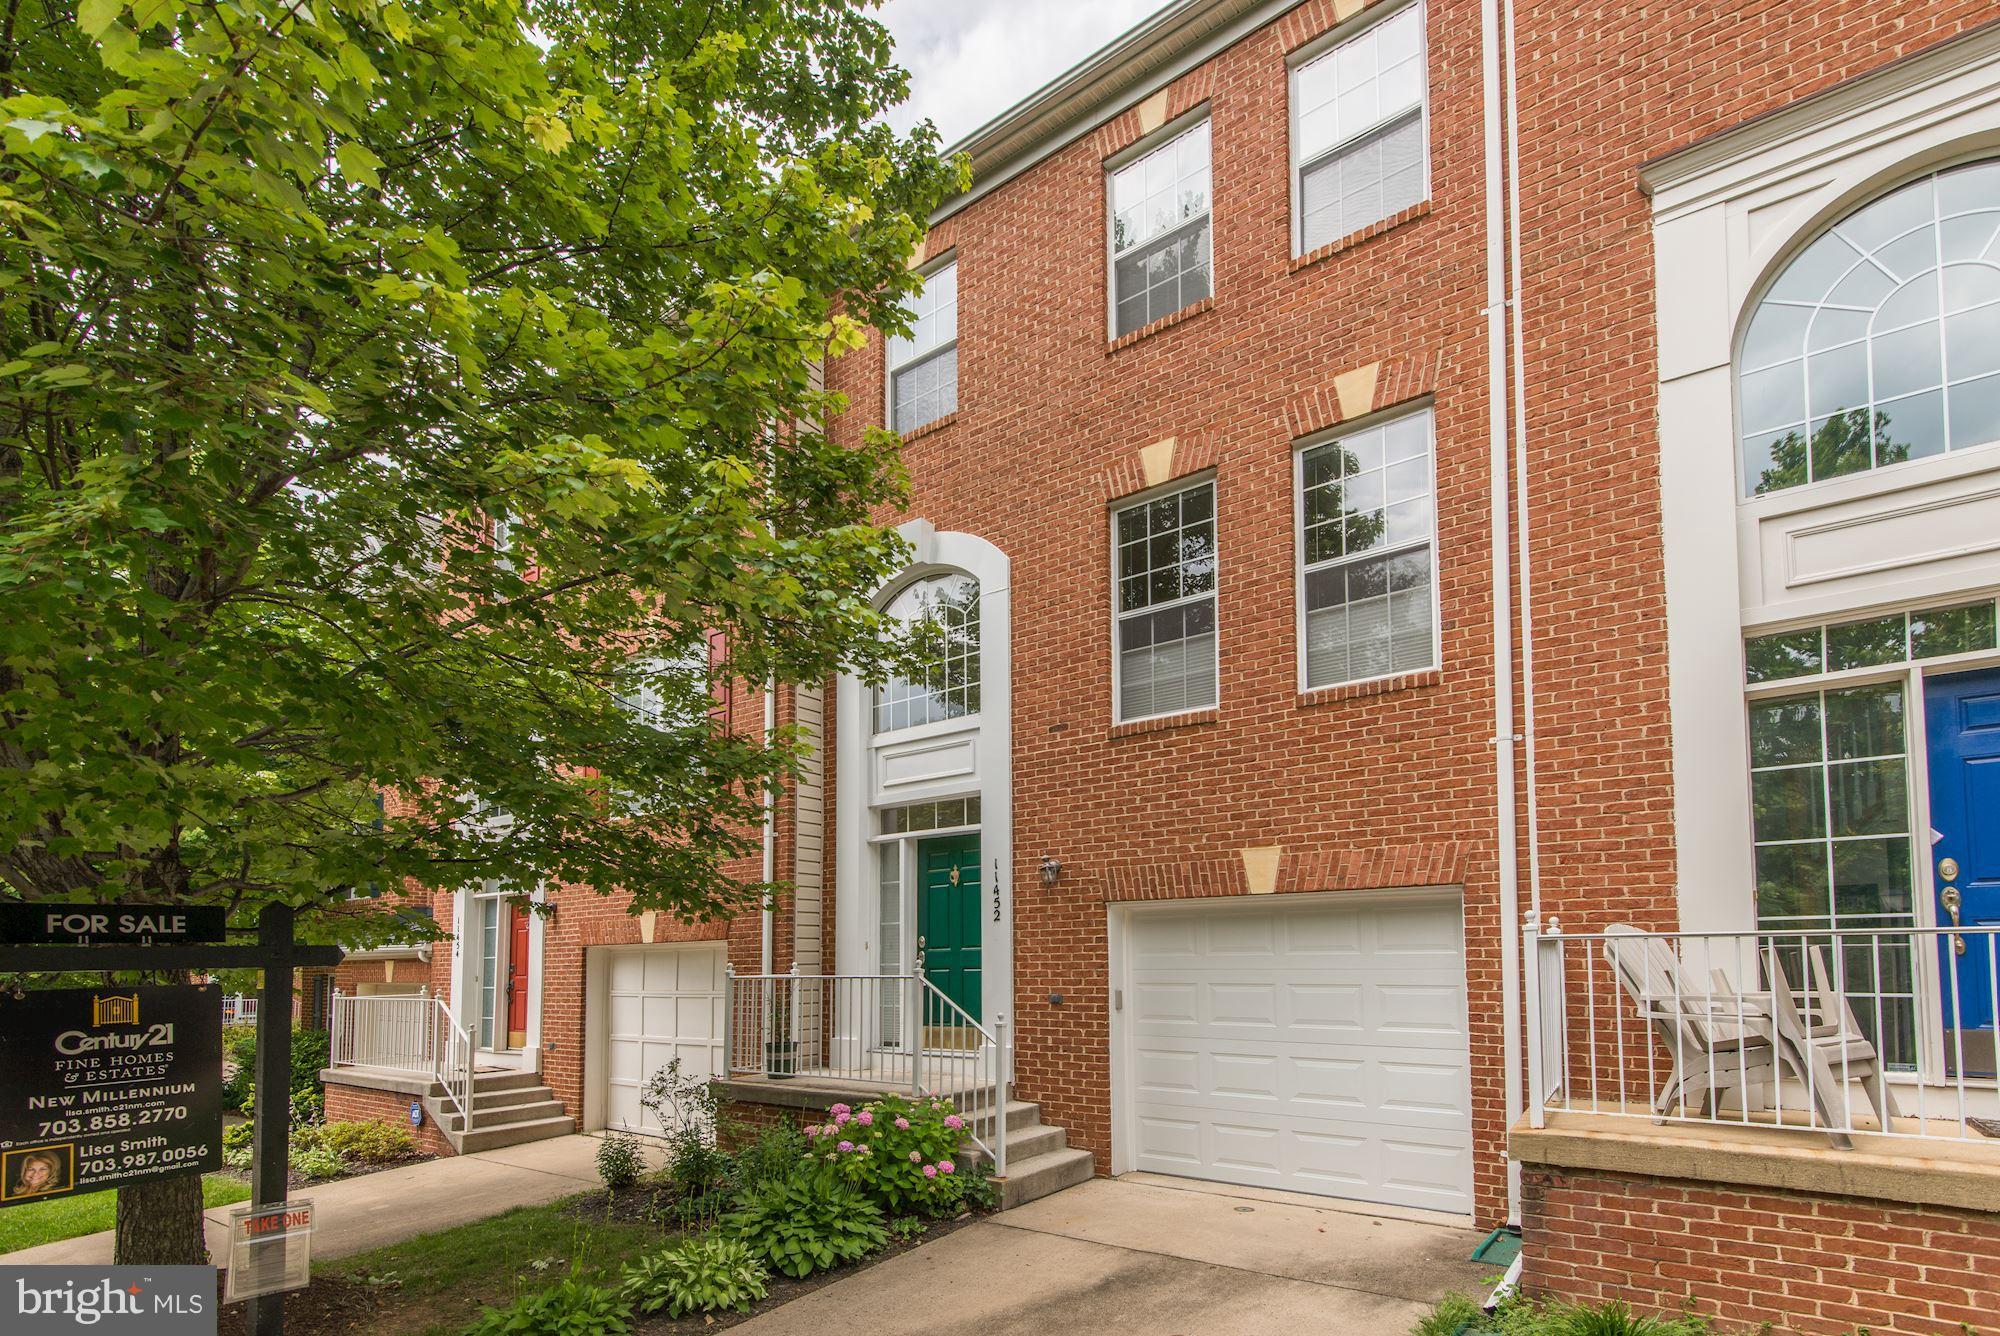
(945, 608)
(1879, 343)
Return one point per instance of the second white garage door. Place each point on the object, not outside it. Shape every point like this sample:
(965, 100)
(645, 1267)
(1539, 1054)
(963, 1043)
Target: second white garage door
(1316, 1046)
(662, 1003)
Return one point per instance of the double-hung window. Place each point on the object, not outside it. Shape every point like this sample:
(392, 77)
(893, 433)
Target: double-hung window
(923, 368)
(1165, 631)
(1160, 232)
(1358, 135)
(1367, 540)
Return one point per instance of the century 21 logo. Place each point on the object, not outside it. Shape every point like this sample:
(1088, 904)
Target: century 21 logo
(114, 1010)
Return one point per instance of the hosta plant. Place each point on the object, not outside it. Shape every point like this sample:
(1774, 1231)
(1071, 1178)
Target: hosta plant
(813, 1221)
(710, 1274)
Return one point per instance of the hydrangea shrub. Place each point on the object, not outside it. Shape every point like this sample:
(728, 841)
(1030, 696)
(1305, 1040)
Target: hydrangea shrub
(899, 1151)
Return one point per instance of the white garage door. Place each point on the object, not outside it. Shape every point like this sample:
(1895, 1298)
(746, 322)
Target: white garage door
(663, 1002)
(1313, 1046)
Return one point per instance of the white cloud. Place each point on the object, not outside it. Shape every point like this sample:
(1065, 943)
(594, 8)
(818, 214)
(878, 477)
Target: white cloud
(970, 60)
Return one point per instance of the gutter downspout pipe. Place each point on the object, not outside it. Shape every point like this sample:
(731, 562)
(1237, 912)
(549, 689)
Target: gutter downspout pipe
(766, 953)
(1504, 738)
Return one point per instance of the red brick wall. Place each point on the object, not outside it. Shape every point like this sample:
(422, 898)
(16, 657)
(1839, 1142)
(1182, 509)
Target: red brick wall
(1808, 1263)
(1050, 419)
(354, 1104)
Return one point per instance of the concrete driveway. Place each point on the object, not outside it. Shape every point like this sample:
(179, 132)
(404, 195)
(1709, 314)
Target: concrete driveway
(1152, 1256)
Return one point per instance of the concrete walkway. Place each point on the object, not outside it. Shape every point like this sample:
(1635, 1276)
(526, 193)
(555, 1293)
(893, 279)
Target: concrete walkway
(357, 1214)
(1152, 1256)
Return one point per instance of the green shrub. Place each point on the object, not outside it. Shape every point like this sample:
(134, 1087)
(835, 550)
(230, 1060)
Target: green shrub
(708, 1274)
(812, 1221)
(312, 1051)
(318, 1164)
(1457, 1314)
(900, 1152)
(573, 1307)
(618, 1161)
(238, 1136)
(773, 1156)
(369, 1143)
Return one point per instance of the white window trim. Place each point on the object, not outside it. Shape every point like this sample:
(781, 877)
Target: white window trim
(1171, 488)
(890, 366)
(1340, 34)
(1369, 423)
(1159, 138)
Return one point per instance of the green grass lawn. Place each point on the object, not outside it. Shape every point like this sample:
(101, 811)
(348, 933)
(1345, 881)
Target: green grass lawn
(441, 1281)
(86, 1213)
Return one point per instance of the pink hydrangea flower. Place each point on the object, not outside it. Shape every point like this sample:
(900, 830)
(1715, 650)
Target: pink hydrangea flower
(902, 1124)
(930, 1171)
(841, 1117)
(947, 1167)
(953, 1121)
(845, 1146)
(915, 1156)
(865, 1118)
(812, 1129)
(839, 1109)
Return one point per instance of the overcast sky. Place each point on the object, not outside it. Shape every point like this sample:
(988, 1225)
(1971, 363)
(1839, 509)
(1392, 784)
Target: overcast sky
(970, 60)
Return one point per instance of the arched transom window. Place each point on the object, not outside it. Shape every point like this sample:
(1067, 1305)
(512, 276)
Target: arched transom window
(947, 685)
(1880, 342)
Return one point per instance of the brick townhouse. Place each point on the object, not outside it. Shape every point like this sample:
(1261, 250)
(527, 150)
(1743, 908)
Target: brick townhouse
(1408, 488)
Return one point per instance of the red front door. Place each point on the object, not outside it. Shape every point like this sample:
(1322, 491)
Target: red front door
(517, 978)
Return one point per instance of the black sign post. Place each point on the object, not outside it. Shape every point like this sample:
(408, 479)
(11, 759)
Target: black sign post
(38, 937)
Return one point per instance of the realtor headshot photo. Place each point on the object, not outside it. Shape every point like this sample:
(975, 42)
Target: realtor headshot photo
(36, 1173)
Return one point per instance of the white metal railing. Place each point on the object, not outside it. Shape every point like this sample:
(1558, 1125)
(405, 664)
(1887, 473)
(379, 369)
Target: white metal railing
(239, 1009)
(1882, 1030)
(892, 1031)
(415, 1033)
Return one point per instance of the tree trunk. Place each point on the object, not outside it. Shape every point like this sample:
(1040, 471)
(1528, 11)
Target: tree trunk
(160, 1223)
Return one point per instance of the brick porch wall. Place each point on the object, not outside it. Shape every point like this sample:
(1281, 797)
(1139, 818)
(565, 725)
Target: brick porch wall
(1814, 1264)
(354, 1104)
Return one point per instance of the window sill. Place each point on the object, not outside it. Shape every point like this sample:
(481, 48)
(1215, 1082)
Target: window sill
(930, 428)
(1380, 686)
(1353, 239)
(1191, 719)
(1202, 307)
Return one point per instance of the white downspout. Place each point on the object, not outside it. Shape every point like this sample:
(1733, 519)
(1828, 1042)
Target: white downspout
(1503, 628)
(1520, 384)
(765, 956)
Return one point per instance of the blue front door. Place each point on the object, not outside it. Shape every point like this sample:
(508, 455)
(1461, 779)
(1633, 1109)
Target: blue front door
(1962, 712)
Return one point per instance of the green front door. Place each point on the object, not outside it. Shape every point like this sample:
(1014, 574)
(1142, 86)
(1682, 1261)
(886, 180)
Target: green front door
(948, 919)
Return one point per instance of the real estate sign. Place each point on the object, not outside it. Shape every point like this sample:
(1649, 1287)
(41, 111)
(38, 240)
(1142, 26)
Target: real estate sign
(270, 1249)
(102, 1086)
(34, 923)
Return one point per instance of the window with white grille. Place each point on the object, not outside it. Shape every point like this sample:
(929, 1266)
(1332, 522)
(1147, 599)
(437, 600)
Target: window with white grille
(923, 368)
(1165, 631)
(1367, 538)
(1160, 234)
(1359, 138)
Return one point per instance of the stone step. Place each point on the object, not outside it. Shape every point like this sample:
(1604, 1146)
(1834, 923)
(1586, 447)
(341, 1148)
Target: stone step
(501, 1099)
(513, 1134)
(1035, 1176)
(1020, 1113)
(484, 1116)
(487, 1082)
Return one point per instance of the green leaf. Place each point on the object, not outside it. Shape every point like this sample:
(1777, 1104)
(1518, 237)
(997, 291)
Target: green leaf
(358, 163)
(94, 16)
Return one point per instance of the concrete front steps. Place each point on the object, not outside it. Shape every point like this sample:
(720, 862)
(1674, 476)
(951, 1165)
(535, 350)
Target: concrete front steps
(1040, 1159)
(508, 1108)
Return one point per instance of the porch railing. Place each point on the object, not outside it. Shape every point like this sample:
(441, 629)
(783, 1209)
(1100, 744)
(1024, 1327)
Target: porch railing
(1885, 1030)
(892, 1032)
(416, 1035)
(239, 1009)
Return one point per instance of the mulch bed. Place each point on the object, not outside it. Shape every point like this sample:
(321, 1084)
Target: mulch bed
(334, 1305)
